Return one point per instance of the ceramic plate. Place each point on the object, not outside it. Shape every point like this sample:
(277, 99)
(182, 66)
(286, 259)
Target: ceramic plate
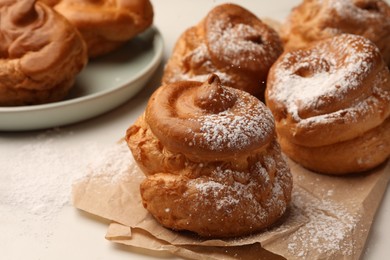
(104, 84)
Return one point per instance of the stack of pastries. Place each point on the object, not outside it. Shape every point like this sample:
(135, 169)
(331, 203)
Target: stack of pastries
(211, 160)
(331, 103)
(330, 90)
(44, 44)
(209, 148)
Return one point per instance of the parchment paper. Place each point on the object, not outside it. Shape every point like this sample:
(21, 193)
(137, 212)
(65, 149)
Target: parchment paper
(329, 217)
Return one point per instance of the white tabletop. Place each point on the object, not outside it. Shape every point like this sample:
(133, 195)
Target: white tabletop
(71, 234)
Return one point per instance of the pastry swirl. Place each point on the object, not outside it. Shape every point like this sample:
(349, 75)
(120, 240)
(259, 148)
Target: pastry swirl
(230, 42)
(211, 158)
(330, 94)
(315, 20)
(208, 120)
(40, 53)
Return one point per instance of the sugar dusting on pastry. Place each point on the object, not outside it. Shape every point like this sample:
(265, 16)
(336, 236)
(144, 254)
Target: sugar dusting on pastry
(339, 77)
(235, 128)
(231, 42)
(212, 162)
(229, 122)
(330, 100)
(351, 10)
(239, 124)
(241, 42)
(315, 20)
(226, 188)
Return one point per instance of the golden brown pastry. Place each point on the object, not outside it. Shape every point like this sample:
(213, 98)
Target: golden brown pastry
(211, 158)
(331, 103)
(315, 20)
(106, 24)
(230, 42)
(40, 53)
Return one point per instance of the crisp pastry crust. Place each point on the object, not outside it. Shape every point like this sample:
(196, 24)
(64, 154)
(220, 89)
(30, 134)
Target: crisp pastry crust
(211, 159)
(230, 42)
(315, 20)
(331, 101)
(106, 24)
(40, 53)
(358, 154)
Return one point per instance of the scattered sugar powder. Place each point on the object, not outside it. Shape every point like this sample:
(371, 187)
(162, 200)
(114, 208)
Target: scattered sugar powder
(39, 175)
(112, 165)
(327, 230)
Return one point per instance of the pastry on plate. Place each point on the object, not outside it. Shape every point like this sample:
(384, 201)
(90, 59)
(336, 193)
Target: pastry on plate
(230, 42)
(211, 160)
(106, 24)
(331, 103)
(315, 20)
(40, 53)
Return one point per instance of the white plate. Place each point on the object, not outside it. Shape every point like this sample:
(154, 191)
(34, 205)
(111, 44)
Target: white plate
(104, 84)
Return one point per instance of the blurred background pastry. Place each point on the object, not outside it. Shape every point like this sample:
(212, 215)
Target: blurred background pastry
(230, 42)
(40, 53)
(315, 20)
(106, 24)
(211, 159)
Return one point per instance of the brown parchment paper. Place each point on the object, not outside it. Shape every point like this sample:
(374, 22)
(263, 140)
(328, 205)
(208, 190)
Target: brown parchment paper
(329, 217)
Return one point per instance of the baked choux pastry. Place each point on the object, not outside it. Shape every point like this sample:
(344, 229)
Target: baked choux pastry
(40, 53)
(211, 160)
(315, 20)
(331, 103)
(106, 24)
(230, 42)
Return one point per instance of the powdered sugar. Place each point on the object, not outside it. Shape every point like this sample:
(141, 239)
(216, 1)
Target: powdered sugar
(231, 40)
(309, 80)
(215, 188)
(232, 130)
(362, 109)
(242, 45)
(327, 230)
(235, 128)
(355, 11)
(228, 45)
(112, 164)
(227, 189)
(40, 175)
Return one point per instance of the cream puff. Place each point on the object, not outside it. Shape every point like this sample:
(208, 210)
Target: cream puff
(212, 163)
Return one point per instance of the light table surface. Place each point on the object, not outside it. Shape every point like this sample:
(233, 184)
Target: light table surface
(71, 234)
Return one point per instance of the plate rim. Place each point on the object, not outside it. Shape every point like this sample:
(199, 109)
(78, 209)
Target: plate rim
(157, 42)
